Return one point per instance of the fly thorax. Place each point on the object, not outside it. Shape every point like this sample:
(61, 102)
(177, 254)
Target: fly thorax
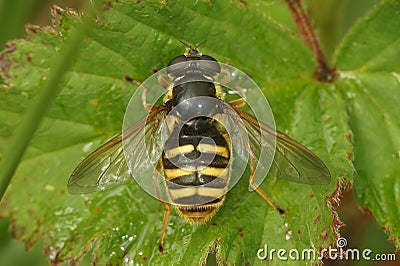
(195, 100)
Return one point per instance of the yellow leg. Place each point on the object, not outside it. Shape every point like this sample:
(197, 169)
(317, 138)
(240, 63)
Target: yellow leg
(260, 191)
(147, 107)
(163, 80)
(166, 208)
(238, 103)
(164, 226)
(226, 76)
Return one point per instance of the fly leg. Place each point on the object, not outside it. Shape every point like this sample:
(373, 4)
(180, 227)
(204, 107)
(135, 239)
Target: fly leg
(253, 163)
(225, 79)
(165, 205)
(164, 226)
(147, 107)
(225, 76)
(238, 103)
(163, 80)
(259, 190)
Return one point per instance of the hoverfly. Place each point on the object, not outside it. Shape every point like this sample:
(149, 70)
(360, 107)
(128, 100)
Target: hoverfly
(196, 187)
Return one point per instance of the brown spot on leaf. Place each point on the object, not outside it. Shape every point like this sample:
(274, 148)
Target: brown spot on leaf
(29, 57)
(4, 63)
(317, 219)
(31, 213)
(242, 3)
(14, 230)
(240, 230)
(94, 102)
(142, 256)
(324, 234)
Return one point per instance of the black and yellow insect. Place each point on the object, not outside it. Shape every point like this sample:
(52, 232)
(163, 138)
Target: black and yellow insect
(197, 155)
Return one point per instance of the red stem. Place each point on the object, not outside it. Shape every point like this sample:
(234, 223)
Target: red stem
(322, 71)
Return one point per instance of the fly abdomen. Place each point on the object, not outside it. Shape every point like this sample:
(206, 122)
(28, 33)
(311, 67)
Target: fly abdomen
(192, 162)
(197, 170)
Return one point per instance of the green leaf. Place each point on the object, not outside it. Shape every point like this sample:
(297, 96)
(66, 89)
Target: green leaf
(370, 84)
(134, 37)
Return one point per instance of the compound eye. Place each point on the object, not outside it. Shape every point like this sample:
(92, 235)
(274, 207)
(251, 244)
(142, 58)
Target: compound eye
(209, 64)
(173, 67)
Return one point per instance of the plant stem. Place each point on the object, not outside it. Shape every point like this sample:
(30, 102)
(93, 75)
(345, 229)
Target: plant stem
(13, 15)
(322, 71)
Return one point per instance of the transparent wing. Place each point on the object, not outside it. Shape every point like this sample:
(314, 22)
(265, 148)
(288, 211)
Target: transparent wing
(106, 167)
(292, 161)
(295, 162)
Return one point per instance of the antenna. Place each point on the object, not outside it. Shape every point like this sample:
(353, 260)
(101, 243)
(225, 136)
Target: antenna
(195, 47)
(200, 43)
(186, 44)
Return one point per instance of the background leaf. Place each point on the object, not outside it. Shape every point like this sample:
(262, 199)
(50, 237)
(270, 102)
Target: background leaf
(132, 38)
(371, 87)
